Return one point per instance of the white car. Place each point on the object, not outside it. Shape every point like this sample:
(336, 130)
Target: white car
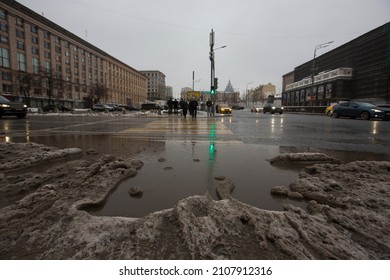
(257, 109)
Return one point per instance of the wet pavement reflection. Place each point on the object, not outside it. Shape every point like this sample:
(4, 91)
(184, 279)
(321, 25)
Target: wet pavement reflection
(190, 168)
(183, 157)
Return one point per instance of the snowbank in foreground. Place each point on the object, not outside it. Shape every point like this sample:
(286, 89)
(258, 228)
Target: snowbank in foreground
(348, 217)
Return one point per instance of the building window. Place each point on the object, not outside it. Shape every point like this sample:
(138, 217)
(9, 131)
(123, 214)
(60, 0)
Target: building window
(46, 34)
(3, 39)
(47, 54)
(7, 88)
(6, 76)
(34, 29)
(3, 14)
(4, 57)
(46, 45)
(34, 39)
(66, 44)
(35, 65)
(57, 40)
(34, 50)
(19, 22)
(47, 67)
(19, 33)
(20, 45)
(3, 27)
(21, 62)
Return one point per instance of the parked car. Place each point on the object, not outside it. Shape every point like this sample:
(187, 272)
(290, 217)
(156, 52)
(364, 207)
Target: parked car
(115, 107)
(361, 110)
(52, 108)
(273, 109)
(9, 108)
(238, 107)
(150, 106)
(223, 109)
(256, 109)
(129, 108)
(102, 108)
(329, 109)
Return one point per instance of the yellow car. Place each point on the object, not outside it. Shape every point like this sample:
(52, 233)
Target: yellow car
(224, 109)
(329, 109)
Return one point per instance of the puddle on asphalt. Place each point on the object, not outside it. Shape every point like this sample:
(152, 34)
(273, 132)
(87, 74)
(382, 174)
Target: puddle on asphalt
(190, 169)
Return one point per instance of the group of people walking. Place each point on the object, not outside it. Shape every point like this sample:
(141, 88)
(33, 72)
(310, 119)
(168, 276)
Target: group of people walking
(192, 106)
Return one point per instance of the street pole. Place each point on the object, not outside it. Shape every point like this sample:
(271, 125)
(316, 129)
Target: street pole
(212, 40)
(193, 80)
(246, 93)
(313, 69)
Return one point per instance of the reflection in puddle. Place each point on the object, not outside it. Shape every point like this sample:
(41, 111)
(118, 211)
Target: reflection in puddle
(190, 169)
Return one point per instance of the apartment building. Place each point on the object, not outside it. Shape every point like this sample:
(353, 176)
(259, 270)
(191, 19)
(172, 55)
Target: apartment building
(41, 63)
(156, 85)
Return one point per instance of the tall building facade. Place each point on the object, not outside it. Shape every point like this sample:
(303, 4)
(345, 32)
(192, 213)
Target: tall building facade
(43, 63)
(259, 95)
(156, 85)
(359, 69)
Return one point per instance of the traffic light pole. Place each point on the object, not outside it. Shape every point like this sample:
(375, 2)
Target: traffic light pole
(212, 88)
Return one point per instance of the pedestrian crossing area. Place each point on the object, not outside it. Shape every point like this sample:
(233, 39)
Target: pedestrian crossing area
(181, 127)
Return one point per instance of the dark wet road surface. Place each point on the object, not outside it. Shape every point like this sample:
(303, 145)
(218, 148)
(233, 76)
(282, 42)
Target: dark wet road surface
(195, 151)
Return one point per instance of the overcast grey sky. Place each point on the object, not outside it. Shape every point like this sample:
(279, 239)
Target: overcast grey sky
(265, 38)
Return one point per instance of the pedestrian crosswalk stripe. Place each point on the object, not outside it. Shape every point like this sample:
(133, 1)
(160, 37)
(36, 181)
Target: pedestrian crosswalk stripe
(199, 126)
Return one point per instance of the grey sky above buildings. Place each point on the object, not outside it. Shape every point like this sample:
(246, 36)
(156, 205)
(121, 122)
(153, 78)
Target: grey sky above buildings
(265, 39)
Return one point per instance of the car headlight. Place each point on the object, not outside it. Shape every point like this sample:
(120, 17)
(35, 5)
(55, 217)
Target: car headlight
(273, 108)
(4, 105)
(376, 110)
(282, 108)
(24, 106)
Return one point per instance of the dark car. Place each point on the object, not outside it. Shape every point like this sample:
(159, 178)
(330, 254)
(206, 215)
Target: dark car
(102, 108)
(361, 110)
(150, 106)
(116, 107)
(129, 108)
(55, 108)
(9, 108)
(272, 109)
(238, 107)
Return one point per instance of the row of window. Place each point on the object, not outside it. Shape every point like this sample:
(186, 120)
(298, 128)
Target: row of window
(71, 55)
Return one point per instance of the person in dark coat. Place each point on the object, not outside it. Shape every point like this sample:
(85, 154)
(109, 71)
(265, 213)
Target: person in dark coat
(170, 105)
(209, 105)
(175, 106)
(184, 107)
(193, 106)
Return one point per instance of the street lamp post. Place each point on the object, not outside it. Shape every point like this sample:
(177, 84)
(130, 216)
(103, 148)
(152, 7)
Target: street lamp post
(246, 92)
(212, 60)
(313, 69)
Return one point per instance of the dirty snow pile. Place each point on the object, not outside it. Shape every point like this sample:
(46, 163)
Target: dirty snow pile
(19, 155)
(43, 216)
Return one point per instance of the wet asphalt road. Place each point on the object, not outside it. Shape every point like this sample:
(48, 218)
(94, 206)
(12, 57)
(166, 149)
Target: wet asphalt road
(195, 151)
(303, 132)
